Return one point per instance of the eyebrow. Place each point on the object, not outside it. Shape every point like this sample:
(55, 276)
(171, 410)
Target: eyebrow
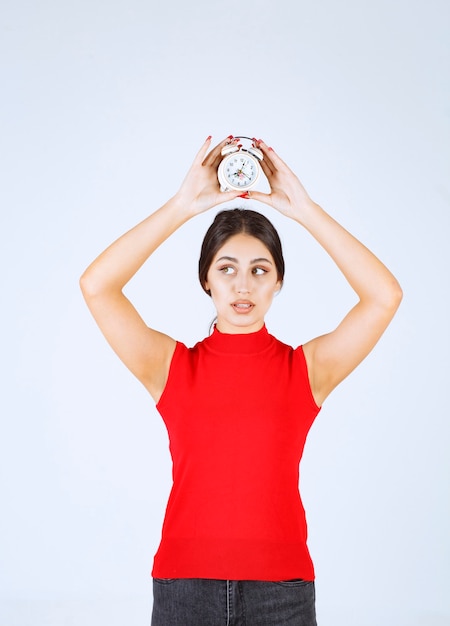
(234, 260)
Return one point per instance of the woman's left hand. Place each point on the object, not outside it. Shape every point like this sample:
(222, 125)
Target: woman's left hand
(287, 194)
(332, 356)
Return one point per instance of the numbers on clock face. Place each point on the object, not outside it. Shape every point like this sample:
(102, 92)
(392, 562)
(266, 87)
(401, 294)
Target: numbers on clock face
(240, 171)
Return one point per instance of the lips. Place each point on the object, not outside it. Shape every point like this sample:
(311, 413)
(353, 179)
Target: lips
(242, 306)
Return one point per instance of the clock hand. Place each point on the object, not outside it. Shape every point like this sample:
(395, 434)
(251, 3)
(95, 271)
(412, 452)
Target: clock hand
(241, 171)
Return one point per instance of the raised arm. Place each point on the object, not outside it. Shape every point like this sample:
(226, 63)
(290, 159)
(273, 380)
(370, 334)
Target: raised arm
(333, 356)
(145, 351)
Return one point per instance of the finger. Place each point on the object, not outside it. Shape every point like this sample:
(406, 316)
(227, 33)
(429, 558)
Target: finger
(267, 167)
(268, 155)
(275, 161)
(266, 163)
(215, 156)
(227, 196)
(199, 157)
(260, 196)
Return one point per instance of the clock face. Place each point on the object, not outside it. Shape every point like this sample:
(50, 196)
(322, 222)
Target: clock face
(240, 170)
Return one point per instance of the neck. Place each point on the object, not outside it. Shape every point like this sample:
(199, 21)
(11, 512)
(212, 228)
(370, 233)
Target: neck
(231, 329)
(239, 343)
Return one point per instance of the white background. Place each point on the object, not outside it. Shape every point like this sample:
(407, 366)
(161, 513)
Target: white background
(103, 106)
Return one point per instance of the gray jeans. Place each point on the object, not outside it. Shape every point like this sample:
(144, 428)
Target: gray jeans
(204, 602)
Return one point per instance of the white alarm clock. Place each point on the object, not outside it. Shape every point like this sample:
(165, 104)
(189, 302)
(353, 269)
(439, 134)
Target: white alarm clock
(240, 167)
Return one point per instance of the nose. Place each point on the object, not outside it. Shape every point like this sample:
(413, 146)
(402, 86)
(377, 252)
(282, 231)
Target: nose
(242, 286)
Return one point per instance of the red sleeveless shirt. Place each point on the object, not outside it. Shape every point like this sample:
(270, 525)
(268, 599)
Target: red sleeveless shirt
(237, 409)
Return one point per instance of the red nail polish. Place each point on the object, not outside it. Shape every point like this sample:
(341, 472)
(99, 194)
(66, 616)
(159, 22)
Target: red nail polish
(209, 137)
(244, 195)
(230, 137)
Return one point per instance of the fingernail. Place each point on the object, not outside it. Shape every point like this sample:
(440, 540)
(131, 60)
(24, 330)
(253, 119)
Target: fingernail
(271, 149)
(209, 138)
(244, 195)
(230, 136)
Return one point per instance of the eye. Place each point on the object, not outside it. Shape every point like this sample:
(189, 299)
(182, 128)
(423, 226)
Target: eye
(227, 269)
(259, 271)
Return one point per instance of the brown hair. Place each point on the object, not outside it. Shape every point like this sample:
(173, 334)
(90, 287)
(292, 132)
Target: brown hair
(232, 222)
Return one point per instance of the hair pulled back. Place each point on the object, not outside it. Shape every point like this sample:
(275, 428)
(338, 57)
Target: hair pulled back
(232, 222)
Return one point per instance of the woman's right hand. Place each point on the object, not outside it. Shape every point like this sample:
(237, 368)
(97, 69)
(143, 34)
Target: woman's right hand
(200, 189)
(144, 350)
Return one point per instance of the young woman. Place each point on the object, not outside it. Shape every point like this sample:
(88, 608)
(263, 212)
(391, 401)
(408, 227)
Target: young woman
(237, 406)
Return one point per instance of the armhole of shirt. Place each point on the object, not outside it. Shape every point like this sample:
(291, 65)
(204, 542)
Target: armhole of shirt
(179, 349)
(304, 367)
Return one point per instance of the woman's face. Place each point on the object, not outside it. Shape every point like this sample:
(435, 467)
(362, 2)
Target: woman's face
(242, 280)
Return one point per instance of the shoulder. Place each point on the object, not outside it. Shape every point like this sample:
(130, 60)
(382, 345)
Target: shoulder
(299, 372)
(295, 352)
(296, 356)
(181, 365)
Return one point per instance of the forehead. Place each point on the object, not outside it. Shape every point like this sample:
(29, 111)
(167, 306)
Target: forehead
(244, 247)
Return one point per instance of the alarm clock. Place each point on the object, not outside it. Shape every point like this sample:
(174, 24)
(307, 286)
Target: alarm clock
(240, 167)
